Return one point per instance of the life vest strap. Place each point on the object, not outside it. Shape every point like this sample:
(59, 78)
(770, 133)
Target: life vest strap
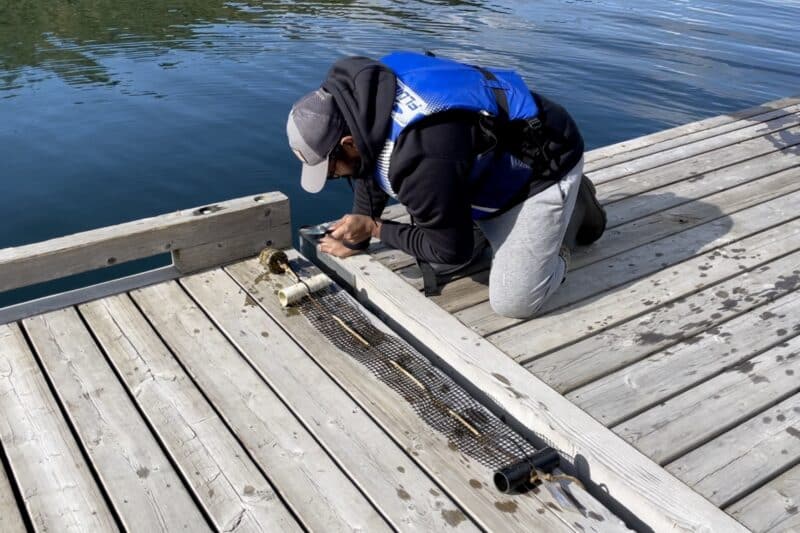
(499, 93)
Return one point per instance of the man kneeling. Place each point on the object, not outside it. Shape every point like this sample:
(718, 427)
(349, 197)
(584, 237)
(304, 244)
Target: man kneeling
(458, 145)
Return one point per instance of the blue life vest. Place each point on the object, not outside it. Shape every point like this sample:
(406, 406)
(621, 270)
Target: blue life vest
(428, 85)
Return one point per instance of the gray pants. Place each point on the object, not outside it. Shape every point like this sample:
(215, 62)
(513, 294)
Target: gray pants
(526, 267)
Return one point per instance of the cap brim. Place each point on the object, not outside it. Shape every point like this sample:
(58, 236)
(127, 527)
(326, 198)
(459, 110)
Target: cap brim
(313, 177)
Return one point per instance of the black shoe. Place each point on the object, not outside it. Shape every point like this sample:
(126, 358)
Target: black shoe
(594, 216)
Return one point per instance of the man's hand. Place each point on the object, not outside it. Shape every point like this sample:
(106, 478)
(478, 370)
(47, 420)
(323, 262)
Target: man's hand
(354, 228)
(335, 247)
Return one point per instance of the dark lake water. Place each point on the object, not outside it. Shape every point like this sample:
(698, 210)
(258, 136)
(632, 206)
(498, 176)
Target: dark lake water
(112, 110)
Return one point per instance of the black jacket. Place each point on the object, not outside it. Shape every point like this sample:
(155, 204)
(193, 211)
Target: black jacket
(431, 162)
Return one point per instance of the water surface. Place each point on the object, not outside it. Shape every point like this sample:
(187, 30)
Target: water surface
(112, 110)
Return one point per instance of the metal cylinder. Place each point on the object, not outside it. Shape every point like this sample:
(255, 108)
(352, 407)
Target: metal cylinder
(516, 477)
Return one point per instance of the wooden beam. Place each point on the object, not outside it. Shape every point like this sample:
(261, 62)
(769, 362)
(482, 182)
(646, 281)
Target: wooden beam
(631, 480)
(12, 313)
(193, 232)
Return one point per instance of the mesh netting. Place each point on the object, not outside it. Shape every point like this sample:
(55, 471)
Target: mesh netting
(438, 400)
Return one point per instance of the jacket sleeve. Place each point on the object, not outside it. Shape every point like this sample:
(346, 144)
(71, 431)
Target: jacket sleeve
(431, 168)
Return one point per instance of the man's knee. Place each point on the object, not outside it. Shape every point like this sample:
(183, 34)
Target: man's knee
(517, 304)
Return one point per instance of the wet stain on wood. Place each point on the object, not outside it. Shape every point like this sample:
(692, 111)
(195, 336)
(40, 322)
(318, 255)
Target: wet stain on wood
(143, 472)
(453, 517)
(507, 506)
(554, 507)
(402, 494)
(501, 378)
(595, 516)
(249, 489)
(475, 484)
(401, 469)
(794, 432)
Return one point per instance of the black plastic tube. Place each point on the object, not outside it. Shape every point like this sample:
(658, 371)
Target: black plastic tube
(516, 477)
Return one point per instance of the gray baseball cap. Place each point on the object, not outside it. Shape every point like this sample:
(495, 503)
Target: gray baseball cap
(314, 128)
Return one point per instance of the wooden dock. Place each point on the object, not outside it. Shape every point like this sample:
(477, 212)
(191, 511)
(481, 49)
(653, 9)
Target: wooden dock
(187, 399)
(668, 364)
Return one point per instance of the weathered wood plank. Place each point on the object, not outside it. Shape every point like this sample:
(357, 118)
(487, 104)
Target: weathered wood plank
(637, 387)
(596, 155)
(683, 151)
(732, 465)
(684, 144)
(769, 131)
(689, 215)
(392, 258)
(773, 507)
(694, 167)
(604, 266)
(602, 310)
(320, 495)
(57, 487)
(214, 254)
(12, 313)
(235, 494)
(413, 276)
(464, 292)
(699, 187)
(362, 449)
(688, 420)
(597, 355)
(547, 510)
(143, 487)
(646, 490)
(266, 214)
(10, 515)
